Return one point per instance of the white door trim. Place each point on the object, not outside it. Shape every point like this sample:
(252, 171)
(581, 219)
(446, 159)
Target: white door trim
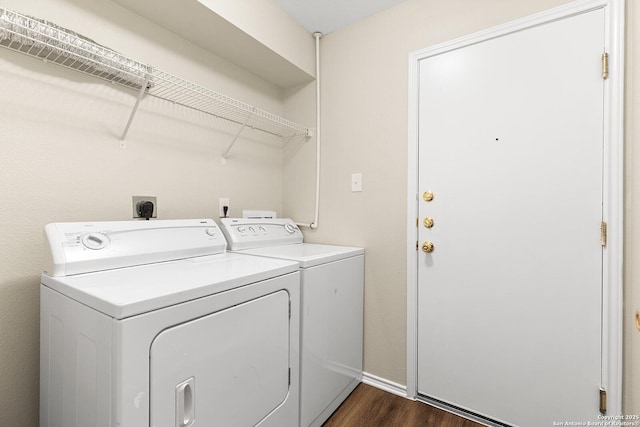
(613, 174)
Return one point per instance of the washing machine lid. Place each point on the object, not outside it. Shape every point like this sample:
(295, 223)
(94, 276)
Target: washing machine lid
(306, 254)
(126, 292)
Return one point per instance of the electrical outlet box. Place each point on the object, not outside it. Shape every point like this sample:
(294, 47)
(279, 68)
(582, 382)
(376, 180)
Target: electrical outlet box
(140, 199)
(222, 202)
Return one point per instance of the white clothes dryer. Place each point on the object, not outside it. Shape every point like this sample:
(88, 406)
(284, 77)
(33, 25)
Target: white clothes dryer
(331, 313)
(153, 323)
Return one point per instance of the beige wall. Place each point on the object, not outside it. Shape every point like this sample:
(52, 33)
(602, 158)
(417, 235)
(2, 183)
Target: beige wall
(364, 115)
(60, 161)
(267, 22)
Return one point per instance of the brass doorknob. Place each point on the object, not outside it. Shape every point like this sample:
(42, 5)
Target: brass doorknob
(427, 196)
(428, 247)
(428, 222)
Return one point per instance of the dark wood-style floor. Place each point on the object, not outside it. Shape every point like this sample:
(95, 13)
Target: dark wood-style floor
(368, 406)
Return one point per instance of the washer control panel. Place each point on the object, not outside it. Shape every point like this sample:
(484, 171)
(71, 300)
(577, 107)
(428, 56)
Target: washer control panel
(246, 233)
(82, 247)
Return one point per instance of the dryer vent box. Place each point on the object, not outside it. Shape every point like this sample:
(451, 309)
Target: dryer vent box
(258, 214)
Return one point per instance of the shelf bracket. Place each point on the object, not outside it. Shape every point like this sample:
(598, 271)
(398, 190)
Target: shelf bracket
(141, 92)
(244, 125)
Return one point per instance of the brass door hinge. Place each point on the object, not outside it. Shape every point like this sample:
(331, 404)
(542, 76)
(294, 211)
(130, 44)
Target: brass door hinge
(603, 234)
(605, 66)
(417, 220)
(603, 401)
(416, 245)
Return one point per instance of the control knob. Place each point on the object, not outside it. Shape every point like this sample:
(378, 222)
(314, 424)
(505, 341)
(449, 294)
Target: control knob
(291, 228)
(95, 241)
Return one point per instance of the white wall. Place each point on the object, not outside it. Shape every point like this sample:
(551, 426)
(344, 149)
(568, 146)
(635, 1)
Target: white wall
(60, 161)
(364, 109)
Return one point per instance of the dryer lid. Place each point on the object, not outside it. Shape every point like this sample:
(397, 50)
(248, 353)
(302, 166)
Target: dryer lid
(126, 292)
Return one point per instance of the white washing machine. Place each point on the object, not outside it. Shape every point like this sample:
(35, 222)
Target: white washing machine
(331, 313)
(153, 323)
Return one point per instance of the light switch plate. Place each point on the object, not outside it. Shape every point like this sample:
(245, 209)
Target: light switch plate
(356, 182)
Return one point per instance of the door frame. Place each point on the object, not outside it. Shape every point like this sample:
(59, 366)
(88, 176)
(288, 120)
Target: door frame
(613, 180)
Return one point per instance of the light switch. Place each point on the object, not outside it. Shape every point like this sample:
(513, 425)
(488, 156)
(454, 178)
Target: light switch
(356, 182)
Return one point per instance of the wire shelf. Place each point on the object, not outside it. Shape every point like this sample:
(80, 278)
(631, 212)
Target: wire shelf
(49, 42)
(179, 91)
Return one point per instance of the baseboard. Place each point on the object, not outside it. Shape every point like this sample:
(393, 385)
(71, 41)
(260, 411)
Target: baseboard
(384, 384)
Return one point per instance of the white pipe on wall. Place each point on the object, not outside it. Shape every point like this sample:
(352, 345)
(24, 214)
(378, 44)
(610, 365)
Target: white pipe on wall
(314, 224)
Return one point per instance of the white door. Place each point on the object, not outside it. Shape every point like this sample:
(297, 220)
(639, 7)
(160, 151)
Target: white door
(227, 369)
(509, 301)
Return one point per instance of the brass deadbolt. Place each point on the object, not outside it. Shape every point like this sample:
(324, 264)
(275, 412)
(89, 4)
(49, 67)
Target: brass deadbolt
(427, 196)
(427, 247)
(428, 222)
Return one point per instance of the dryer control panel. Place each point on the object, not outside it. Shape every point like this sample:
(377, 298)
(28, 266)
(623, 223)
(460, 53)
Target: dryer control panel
(82, 247)
(245, 233)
